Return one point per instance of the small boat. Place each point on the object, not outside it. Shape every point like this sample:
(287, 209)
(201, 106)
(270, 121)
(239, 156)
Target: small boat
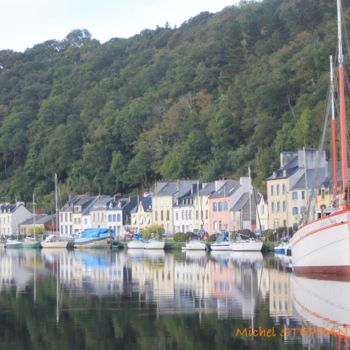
(283, 248)
(195, 244)
(246, 245)
(154, 243)
(30, 243)
(116, 245)
(136, 243)
(13, 243)
(221, 243)
(52, 241)
(94, 238)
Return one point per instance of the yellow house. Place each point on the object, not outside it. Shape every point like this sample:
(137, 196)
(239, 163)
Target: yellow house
(141, 215)
(99, 212)
(290, 189)
(163, 201)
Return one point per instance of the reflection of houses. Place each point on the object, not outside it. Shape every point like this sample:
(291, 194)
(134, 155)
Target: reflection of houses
(141, 215)
(11, 215)
(280, 294)
(43, 223)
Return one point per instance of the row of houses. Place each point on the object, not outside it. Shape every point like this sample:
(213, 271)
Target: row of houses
(189, 205)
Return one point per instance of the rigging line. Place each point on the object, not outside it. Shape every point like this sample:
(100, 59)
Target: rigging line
(320, 148)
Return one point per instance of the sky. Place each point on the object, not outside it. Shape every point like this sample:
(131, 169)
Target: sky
(25, 23)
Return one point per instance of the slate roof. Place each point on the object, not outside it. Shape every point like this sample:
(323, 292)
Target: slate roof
(146, 203)
(7, 207)
(315, 178)
(208, 189)
(101, 203)
(226, 190)
(41, 219)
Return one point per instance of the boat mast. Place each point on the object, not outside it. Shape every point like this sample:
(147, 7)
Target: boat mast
(343, 141)
(56, 204)
(250, 201)
(334, 134)
(34, 214)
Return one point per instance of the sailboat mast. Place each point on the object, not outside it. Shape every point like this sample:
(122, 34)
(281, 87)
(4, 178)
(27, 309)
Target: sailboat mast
(34, 214)
(334, 133)
(56, 203)
(250, 201)
(343, 141)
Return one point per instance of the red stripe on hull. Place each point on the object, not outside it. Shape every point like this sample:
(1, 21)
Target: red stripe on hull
(318, 230)
(331, 273)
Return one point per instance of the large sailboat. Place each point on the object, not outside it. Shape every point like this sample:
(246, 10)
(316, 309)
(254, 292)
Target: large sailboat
(322, 246)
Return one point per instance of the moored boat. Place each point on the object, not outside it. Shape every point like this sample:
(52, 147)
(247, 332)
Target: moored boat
(30, 243)
(321, 246)
(195, 244)
(93, 238)
(154, 243)
(221, 243)
(246, 245)
(52, 241)
(13, 243)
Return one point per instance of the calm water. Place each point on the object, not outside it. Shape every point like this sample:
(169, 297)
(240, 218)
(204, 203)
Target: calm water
(58, 299)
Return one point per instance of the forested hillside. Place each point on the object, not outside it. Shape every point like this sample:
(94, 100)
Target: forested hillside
(200, 101)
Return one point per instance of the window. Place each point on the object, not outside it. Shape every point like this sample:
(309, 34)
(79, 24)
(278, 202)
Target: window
(294, 195)
(114, 218)
(156, 216)
(167, 215)
(225, 207)
(118, 217)
(278, 207)
(161, 215)
(196, 214)
(206, 214)
(272, 190)
(283, 189)
(303, 195)
(177, 215)
(262, 209)
(110, 217)
(277, 190)
(273, 207)
(219, 206)
(322, 194)
(214, 206)
(295, 211)
(284, 206)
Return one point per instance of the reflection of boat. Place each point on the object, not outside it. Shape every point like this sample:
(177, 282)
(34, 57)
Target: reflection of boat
(324, 303)
(247, 257)
(154, 243)
(154, 254)
(195, 244)
(322, 246)
(248, 245)
(196, 255)
(93, 238)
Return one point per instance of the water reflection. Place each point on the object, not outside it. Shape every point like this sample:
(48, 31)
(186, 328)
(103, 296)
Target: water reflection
(136, 289)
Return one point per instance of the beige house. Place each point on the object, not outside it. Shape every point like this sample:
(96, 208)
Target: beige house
(141, 215)
(201, 207)
(99, 212)
(11, 215)
(290, 189)
(163, 201)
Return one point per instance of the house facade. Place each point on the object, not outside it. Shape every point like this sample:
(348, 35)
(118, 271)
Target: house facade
(141, 214)
(290, 194)
(11, 216)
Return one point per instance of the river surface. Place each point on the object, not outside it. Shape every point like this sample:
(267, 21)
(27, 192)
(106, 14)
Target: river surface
(60, 299)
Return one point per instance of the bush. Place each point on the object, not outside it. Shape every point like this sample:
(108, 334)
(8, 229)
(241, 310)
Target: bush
(179, 237)
(212, 238)
(153, 231)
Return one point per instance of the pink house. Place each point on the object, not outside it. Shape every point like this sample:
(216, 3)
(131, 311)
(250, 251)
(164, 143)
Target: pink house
(226, 195)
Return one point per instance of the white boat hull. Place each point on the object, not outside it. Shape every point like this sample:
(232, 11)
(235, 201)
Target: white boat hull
(155, 245)
(136, 245)
(323, 303)
(82, 243)
(246, 246)
(220, 246)
(56, 244)
(195, 245)
(13, 243)
(323, 246)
